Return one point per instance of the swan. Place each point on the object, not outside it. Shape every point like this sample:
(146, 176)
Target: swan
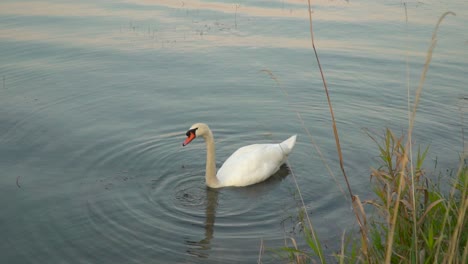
(248, 165)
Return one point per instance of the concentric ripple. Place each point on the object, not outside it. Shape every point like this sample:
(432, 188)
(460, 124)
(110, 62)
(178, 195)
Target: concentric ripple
(166, 207)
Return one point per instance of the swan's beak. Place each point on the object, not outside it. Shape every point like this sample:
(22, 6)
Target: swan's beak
(190, 136)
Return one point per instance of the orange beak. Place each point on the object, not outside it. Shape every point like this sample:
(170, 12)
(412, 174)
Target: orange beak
(190, 136)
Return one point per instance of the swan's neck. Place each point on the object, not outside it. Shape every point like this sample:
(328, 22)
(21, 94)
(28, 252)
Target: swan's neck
(210, 175)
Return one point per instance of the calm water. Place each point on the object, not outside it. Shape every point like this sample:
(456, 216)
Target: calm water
(96, 96)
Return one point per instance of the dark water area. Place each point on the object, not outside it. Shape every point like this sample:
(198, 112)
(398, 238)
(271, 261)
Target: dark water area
(96, 97)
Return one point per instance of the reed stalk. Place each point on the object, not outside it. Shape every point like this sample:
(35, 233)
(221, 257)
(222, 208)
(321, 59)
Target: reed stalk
(356, 203)
(422, 79)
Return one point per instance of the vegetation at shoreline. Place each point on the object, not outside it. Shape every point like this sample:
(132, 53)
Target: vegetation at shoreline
(414, 219)
(429, 224)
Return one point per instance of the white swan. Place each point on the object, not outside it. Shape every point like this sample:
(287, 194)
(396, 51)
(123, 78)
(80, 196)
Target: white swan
(248, 165)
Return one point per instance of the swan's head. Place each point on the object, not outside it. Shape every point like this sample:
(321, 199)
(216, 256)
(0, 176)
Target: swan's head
(196, 130)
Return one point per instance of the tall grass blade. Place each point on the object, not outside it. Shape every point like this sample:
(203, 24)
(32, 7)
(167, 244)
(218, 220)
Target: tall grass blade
(310, 228)
(342, 252)
(428, 209)
(391, 234)
(410, 143)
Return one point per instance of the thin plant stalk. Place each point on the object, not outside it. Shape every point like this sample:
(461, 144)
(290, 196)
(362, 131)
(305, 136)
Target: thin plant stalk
(342, 253)
(357, 206)
(260, 253)
(312, 230)
(319, 251)
(389, 246)
(335, 130)
(460, 221)
(410, 147)
(309, 134)
(444, 224)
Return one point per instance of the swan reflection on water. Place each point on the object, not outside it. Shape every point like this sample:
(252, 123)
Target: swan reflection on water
(201, 248)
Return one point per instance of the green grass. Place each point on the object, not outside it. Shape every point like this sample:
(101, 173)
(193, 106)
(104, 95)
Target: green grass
(428, 224)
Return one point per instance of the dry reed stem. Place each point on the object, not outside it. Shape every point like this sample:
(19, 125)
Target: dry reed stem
(362, 219)
(298, 257)
(335, 130)
(260, 253)
(342, 252)
(389, 246)
(465, 253)
(357, 205)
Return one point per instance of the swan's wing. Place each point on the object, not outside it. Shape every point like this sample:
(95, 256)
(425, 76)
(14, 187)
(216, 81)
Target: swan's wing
(251, 164)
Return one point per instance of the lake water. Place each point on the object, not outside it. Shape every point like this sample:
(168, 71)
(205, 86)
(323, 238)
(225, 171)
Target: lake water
(96, 97)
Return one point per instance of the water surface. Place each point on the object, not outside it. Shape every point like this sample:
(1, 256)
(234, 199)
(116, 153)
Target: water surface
(96, 97)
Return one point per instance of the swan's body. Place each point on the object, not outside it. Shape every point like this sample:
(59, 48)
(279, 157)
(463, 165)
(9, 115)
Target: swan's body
(248, 165)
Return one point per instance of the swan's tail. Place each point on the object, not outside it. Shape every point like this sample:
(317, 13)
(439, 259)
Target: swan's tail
(288, 144)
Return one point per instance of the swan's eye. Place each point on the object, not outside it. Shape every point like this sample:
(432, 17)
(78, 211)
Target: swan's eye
(190, 136)
(191, 131)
